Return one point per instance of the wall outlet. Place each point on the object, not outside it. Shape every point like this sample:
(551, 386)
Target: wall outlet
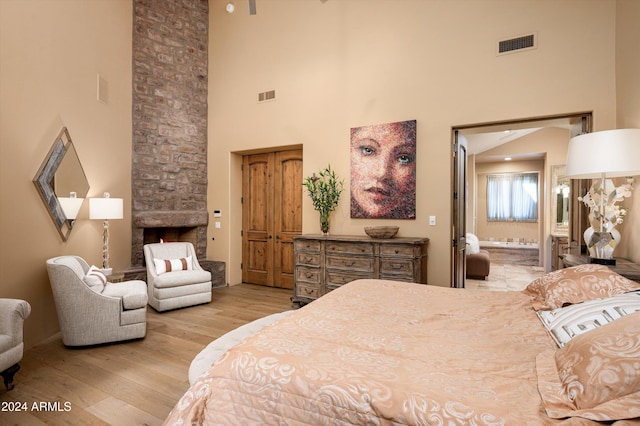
(432, 220)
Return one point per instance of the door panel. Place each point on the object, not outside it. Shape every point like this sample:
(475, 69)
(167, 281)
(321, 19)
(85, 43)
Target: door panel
(459, 221)
(272, 216)
(257, 238)
(579, 212)
(288, 213)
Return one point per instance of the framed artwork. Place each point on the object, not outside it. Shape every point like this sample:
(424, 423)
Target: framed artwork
(383, 171)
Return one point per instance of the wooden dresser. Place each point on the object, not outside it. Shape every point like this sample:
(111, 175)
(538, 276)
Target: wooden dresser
(324, 263)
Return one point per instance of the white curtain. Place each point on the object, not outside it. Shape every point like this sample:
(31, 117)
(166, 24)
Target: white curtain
(512, 197)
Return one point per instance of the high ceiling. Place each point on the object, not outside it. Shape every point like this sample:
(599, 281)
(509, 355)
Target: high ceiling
(484, 138)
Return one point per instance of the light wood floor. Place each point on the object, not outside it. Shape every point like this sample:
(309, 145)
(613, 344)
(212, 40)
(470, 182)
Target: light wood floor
(132, 383)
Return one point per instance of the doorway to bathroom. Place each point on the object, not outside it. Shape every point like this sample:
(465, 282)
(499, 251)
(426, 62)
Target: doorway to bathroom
(521, 146)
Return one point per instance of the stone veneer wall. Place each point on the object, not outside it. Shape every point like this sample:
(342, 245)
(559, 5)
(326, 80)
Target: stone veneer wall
(169, 170)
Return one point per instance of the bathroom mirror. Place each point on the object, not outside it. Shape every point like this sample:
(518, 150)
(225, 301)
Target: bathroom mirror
(560, 198)
(62, 184)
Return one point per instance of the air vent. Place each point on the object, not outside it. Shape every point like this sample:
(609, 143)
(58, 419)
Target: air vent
(517, 44)
(267, 96)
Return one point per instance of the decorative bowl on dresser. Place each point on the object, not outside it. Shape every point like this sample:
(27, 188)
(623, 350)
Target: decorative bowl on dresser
(323, 263)
(381, 231)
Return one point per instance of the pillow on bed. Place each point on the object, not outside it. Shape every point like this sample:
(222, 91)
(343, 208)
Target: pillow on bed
(596, 375)
(577, 284)
(566, 323)
(473, 244)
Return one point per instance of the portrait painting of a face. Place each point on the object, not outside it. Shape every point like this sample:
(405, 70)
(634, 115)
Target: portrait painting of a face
(383, 171)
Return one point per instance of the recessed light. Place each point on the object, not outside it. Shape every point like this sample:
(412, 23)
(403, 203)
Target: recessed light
(230, 7)
(507, 158)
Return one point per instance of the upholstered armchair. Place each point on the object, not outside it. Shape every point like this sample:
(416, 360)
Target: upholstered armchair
(175, 278)
(13, 312)
(92, 311)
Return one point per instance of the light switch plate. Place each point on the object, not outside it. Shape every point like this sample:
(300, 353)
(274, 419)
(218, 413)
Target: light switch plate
(432, 220)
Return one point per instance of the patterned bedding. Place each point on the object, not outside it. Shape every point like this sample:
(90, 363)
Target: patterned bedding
(380, 352)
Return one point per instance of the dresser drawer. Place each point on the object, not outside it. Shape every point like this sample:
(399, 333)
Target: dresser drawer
(403, 278)
(349, 248)
(307, 291)
(396, 266)
(308, 275)
(350, 263)
(336, 279)
(398, 250)
(306, 245)
(308, 259)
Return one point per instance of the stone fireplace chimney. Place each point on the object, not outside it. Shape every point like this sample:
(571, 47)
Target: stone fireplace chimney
(169, 170)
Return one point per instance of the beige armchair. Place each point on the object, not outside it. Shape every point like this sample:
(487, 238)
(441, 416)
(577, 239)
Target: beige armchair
(91, 313)
(175, 278)
(13, 312)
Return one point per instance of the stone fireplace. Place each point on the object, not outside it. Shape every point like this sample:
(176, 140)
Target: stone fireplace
(169, 158)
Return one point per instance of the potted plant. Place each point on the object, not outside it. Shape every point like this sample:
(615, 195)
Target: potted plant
(324, 191)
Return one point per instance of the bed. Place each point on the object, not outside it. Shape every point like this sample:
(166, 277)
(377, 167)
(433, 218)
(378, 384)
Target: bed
(379, 352)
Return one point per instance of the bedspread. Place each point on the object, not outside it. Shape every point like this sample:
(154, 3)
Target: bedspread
(380, 352)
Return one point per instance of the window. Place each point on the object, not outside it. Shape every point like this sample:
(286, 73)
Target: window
(512, 197)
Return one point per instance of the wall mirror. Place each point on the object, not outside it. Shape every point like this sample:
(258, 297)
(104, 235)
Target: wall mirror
(560, 199)
(62, 184)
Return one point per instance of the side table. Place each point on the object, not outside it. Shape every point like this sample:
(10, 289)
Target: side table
(624, 267)
(116, 277)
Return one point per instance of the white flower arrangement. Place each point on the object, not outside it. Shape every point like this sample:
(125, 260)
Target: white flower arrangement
(611, 195)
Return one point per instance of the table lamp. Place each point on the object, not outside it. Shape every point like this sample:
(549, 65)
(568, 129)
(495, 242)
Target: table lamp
(600, 156)
(104, 209)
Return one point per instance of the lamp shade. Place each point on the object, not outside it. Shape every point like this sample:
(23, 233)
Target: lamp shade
(105, 208)
(70, 206)
(614, 153)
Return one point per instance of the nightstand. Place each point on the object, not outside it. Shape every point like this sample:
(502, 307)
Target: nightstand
(624, 267)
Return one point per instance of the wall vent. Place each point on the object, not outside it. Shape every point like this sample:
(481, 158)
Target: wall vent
(517, 44)
(267, 96)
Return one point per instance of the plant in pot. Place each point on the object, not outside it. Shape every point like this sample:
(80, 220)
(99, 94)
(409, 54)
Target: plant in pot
(324, 191)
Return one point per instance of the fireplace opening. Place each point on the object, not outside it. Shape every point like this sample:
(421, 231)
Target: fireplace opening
(187, 234)
(151, 226)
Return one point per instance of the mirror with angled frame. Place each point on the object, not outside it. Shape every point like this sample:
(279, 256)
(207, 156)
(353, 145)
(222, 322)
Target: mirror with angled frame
(62, 184)
(560, 199)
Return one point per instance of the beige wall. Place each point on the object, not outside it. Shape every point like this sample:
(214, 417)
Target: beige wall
(628, 109)
(340, 64)
(51, 53)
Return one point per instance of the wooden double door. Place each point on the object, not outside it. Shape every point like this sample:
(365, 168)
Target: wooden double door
(271, 216)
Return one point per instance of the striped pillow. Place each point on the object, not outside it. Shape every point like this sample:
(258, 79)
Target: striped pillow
(171, 265)
(95, 279)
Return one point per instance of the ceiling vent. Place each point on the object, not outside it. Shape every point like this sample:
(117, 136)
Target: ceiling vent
(267, 96)
(517, 44)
